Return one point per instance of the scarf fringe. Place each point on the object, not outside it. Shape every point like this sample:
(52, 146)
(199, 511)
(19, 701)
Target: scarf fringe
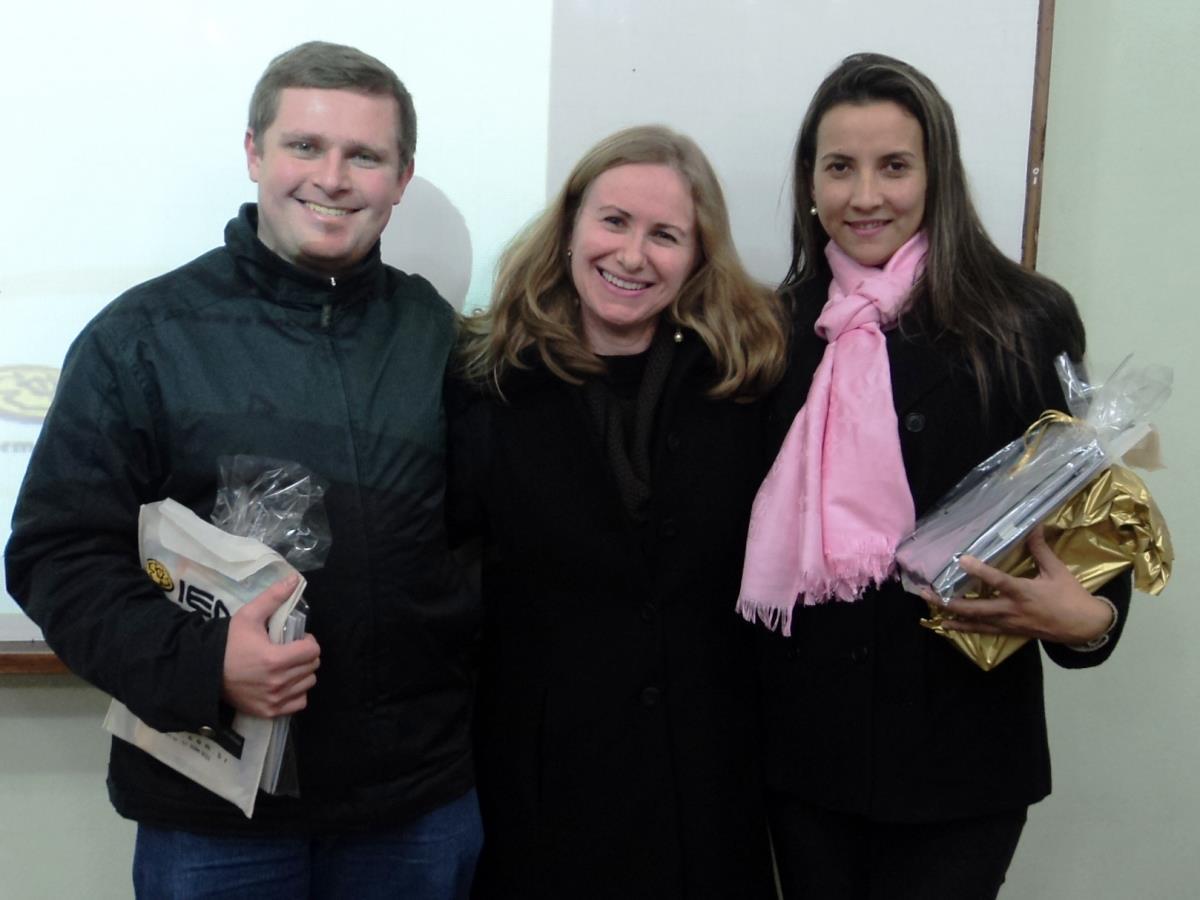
(845, 582)
(847, 578)
(774, 617)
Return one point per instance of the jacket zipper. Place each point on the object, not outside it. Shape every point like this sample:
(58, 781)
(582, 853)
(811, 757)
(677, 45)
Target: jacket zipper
(327, 309)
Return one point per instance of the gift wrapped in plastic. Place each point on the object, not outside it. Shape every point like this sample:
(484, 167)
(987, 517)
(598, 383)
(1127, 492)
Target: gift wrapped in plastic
(1099, 517)
(281, 504)
(273, 524)
(277, 502)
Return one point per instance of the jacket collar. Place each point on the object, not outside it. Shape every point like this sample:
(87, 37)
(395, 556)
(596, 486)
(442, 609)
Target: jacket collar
(918, 366)
(690, 354)
(281, 281)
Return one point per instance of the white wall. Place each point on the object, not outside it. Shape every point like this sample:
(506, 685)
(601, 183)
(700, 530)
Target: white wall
(1122, 184)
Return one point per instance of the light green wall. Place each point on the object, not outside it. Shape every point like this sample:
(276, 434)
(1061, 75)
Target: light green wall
(1122, 183)
(59, 837)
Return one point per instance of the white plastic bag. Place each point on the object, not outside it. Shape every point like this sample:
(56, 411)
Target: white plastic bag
(212, 573)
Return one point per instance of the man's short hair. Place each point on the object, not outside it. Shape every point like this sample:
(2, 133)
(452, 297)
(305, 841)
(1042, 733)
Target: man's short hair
(318, 64)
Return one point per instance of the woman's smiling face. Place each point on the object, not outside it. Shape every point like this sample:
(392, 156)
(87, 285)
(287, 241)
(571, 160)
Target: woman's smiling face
(633, 247)
(869, 178)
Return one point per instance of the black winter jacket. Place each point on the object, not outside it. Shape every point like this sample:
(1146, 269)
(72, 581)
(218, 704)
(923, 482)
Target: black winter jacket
(240, 352)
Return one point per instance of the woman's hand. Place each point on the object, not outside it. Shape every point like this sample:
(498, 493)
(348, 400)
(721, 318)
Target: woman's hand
(1051, 607)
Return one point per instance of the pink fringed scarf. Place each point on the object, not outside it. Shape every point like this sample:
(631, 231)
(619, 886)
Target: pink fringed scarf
(835, 504)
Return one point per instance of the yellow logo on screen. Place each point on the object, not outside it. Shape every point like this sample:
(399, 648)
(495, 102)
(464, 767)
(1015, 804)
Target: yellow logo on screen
(26, 392)
(159, 575)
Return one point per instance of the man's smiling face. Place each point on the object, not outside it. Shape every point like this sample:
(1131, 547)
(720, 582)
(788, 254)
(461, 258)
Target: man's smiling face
(328, 172)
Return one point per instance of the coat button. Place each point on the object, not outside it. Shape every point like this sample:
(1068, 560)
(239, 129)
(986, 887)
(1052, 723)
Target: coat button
(914, 422)
(859, 654)
(673, 441)
(649, 611)
(651, 696)
(669, 528)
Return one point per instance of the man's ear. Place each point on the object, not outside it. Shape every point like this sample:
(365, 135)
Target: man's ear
(402, 182)
(253, 158)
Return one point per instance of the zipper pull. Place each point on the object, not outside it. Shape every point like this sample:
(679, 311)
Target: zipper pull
(327, 309)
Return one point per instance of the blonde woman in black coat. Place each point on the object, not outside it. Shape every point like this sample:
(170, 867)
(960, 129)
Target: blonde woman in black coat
(607, 450)
(896, 767)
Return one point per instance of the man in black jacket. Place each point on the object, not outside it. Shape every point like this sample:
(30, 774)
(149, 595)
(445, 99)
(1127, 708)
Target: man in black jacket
(292, 341)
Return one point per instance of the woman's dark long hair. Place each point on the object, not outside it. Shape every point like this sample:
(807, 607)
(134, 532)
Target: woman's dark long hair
(1000, 312)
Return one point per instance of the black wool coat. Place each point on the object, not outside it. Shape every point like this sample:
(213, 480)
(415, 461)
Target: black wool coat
(617, 731)
(866, 711)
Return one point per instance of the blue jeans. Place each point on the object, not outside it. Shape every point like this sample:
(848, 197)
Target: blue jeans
(432, 858)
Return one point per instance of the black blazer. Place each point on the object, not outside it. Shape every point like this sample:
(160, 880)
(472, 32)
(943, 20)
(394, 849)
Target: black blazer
(866, 711)
(617, 728)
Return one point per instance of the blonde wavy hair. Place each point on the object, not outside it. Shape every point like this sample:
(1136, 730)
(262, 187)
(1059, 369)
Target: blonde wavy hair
(535, 310)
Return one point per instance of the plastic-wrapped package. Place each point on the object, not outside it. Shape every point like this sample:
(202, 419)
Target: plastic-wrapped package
(272, 525)
(997, 504)
(279, 503)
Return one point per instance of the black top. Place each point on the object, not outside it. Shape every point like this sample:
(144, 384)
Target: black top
(624, 405)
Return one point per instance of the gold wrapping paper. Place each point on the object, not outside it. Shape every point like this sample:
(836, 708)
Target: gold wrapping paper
(1111, 525)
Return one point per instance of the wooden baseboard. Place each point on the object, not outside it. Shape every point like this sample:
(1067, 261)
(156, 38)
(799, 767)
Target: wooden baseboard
(29, 658)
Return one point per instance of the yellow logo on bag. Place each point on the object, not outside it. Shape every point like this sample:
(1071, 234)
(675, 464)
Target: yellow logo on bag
(26, 392)
(159, 575)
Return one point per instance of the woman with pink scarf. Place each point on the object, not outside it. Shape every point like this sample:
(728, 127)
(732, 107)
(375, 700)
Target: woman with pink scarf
(898, 768)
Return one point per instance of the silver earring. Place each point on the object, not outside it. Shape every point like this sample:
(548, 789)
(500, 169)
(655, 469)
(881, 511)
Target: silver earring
(678, 335)
(812, 211)
(568, 253)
